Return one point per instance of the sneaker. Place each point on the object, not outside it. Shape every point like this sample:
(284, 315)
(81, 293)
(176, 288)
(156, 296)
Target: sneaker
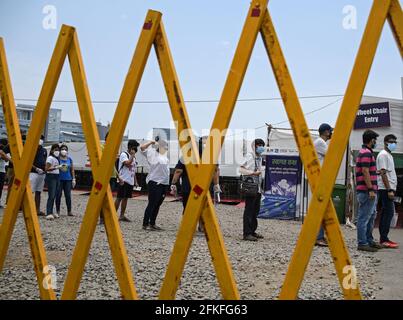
(367, 248)
(376, 245)
(145, 226)
(250, 238)
(258, 235)
(56, 215)
(392, 242)
(124, 219)
(50, 217)
(350, 224)
(389, 245)
(321, 243)
(70, 214)
(154, 227)
(41, 214)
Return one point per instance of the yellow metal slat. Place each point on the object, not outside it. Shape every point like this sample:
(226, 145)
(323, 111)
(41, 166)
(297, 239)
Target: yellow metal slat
(23, 157)
(345, 121)
(197, 199)
(395, 19)
(308, 154)
(179, 114)
(103, 169)
(114, 235)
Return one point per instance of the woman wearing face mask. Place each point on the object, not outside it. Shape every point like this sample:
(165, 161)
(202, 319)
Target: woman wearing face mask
(157, 180)
(52, 180)
(67, 180)
(252, 166)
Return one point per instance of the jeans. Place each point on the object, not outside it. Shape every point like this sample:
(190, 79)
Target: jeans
(52, 181)
(64, 186)
(156, 196)
(387, 213)
(321, 234)
(366, 218)
(252, 208)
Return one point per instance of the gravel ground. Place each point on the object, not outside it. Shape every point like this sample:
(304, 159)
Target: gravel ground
(259, 268)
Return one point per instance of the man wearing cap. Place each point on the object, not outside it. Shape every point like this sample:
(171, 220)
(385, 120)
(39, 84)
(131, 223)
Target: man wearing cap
(37, 175)
(320, 144)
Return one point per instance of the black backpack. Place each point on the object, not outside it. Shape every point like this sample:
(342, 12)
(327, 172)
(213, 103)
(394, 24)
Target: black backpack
(117, 162)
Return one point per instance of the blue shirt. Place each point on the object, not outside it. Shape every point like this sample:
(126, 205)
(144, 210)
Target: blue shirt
(65, 171)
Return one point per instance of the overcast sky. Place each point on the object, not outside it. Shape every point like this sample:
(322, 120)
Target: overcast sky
(203, 36)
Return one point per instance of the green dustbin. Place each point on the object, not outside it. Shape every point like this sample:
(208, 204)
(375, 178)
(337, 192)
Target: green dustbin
(339, 201)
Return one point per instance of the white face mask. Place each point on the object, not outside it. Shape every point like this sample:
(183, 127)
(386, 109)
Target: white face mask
(64, 153)
(56, 153)
(41, 142)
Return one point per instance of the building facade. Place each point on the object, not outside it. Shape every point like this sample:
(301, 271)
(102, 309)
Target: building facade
(55, 130)
(25, 114)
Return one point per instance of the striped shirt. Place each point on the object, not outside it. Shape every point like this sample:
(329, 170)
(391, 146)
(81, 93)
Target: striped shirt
(366, 159)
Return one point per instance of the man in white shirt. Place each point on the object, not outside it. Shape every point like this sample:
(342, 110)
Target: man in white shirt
(252, 166)
(387, 185)
(126, 177)
(157, 181)
(320, 144)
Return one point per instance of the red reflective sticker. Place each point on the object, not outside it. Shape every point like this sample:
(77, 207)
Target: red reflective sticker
(148, 25)
(98, 186)
(198, 190)
(17, 182)
(255, 12)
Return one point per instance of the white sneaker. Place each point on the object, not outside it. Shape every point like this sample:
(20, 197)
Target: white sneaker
(350, 224)
(56, 215)
(50, 217)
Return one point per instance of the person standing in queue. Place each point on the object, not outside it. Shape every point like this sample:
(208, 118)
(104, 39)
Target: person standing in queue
(4, 158)
(321, 146)
(52, 180)
(181, 173)
(38, 174)
(367, 188)
(10, 170)
(157, 181)
(126, 178)
(252, 166)
(67, 180)
(113, 179)
(387, 186)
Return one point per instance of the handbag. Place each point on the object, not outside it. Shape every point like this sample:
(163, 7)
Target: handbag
(249, 185)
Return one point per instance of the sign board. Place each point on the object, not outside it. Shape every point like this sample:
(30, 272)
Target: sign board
(283, 174)
(373, 115)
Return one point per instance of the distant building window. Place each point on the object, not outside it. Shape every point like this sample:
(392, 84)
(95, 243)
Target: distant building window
(25, 115)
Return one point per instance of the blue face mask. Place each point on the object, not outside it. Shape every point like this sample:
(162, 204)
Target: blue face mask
(260, 150)
(392, 146)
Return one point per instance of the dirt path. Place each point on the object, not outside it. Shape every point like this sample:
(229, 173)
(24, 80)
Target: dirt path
(390, 273)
